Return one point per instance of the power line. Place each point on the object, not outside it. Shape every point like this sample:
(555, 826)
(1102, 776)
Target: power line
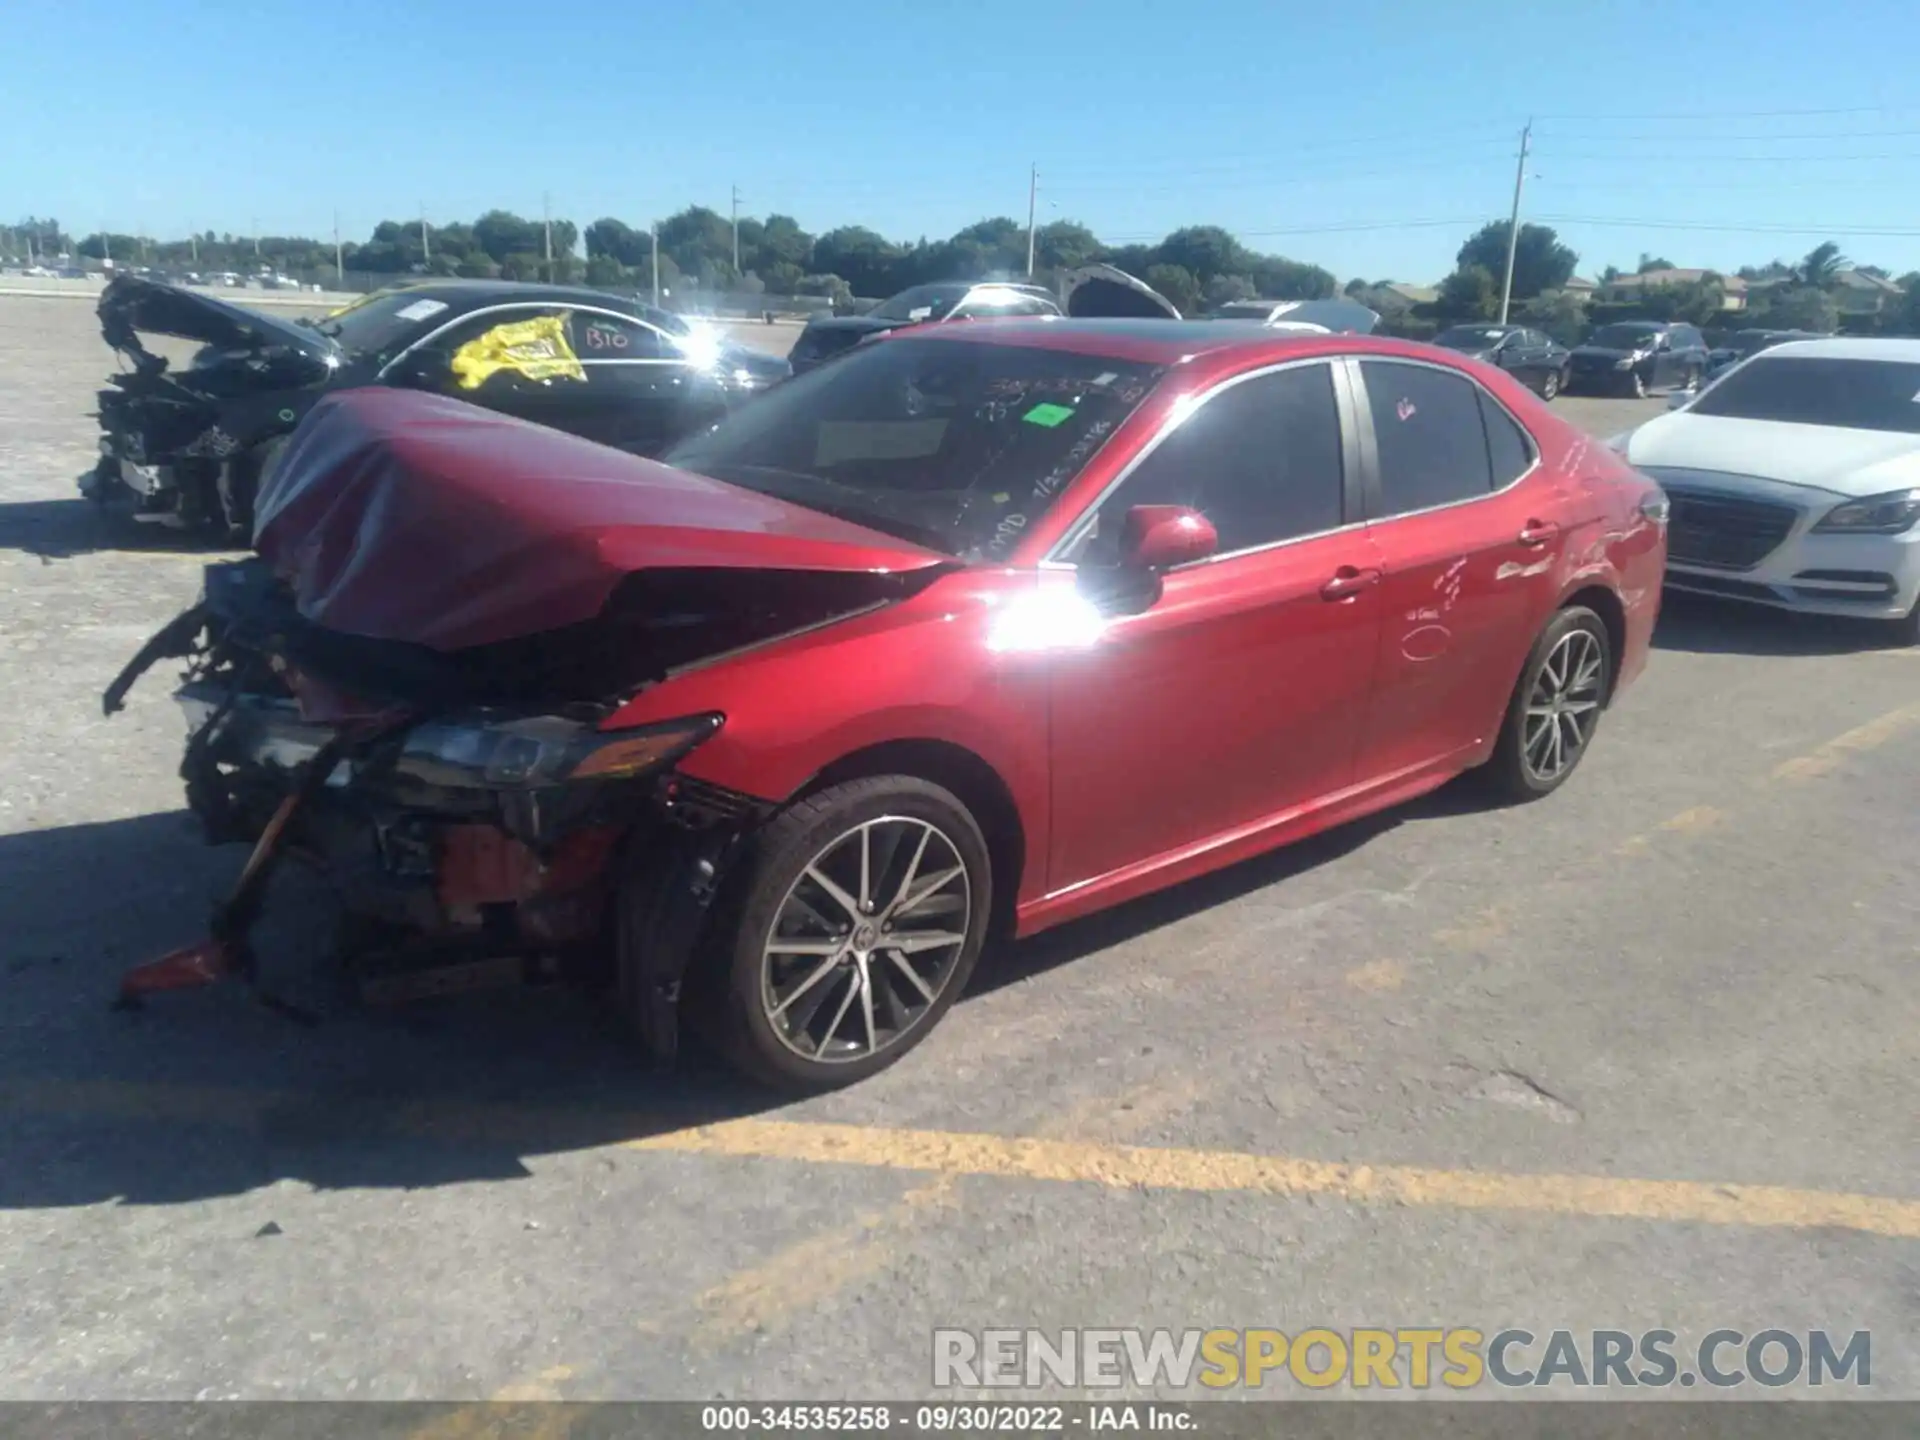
(1826, 135)
(1836, 231)
(1748, 114)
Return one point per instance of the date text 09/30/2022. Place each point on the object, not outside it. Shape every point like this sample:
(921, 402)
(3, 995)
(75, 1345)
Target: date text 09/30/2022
(948, 1419)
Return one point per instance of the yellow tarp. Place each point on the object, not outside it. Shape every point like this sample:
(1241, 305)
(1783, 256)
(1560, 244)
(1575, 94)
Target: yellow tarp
(537, 349)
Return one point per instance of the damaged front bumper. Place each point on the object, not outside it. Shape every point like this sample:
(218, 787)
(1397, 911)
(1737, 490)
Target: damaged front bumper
(478, 846)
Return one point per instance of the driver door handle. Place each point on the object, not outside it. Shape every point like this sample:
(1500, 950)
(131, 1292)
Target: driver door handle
(1536, 533)
(1347, 583)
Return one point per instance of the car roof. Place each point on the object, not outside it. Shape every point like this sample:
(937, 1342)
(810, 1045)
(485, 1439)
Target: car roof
(1154, 341)
(474, 293)
(1905, 352)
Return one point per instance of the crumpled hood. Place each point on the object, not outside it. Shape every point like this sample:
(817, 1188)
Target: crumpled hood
(1843, 462)
(130, 304)
(398, 515)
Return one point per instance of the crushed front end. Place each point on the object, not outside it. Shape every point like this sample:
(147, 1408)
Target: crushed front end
(186, 447)
(469, 843)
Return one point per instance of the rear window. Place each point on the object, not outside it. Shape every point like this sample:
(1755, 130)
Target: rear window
(1848, 394)
(956, 446)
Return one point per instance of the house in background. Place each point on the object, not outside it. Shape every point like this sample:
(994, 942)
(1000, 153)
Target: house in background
(1579, 287)
(1632, 287)
(1855, 292)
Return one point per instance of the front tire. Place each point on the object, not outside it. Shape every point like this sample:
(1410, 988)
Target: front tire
(1556, 707)
(1637, 385)
(1550, 385)
(850, 929)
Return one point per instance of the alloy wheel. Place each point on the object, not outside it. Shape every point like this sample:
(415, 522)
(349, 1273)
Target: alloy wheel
(1550, 386)
(866, 939)
(1563, 706)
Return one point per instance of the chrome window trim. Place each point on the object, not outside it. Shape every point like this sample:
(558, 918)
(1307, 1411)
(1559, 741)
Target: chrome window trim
(1076, 532)
(1363, 410)
(512, 305)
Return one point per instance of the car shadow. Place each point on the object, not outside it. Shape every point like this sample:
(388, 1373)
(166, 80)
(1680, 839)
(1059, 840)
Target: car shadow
(64, 529)
(1703, 625)
(209, 1093)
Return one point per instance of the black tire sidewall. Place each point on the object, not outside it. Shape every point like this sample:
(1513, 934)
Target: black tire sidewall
(788, 843)
(1508, 769)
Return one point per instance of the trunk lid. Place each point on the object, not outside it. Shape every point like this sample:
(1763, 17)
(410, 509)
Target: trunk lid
(1103, 292)
(399, 516)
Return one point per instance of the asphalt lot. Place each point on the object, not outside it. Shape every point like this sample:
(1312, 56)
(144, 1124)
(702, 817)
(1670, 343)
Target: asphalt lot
(1642, 1055)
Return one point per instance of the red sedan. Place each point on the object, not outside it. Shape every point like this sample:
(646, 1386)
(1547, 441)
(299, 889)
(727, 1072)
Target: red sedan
(980, 629)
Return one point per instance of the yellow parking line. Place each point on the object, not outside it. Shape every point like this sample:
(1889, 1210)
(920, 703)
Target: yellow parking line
(943, 1153)
(1213, 1171)
(1857, 741)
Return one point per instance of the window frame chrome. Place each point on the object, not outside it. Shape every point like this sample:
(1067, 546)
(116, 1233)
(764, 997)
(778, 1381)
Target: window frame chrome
(1352, 500)
(1373, 495)
(507, 307)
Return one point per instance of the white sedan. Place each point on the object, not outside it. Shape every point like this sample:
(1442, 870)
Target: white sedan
(1795, 480)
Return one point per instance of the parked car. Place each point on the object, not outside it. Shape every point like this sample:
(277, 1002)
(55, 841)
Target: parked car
(189, 447)
(1335, 316)
(1531, 357)
(1633, 357)
(1744, 343)
(826, 336)
(977, 630)
(1795, 481)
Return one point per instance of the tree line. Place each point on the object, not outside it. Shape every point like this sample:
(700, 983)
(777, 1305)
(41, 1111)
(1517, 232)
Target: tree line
(1197, 266)
(698, 248)
(1780, 295)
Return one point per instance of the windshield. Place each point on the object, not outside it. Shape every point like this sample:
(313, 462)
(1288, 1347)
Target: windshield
(1849, 394)
(383, 322)
(1623, 337)
(958, 447)
(923, 302)
(1469, 337)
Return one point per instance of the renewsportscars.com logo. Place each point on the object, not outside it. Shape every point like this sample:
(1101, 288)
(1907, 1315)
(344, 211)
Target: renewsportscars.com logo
(1413, 1358)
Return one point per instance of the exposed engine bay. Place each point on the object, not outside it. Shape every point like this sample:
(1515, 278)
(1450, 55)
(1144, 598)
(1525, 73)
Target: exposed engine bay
(453, 775)
(187, 448)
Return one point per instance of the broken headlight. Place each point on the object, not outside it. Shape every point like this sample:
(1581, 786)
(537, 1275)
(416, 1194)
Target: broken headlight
(545, 750)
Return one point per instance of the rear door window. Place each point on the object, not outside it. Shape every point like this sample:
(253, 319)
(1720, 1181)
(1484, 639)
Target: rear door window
(1428, 434)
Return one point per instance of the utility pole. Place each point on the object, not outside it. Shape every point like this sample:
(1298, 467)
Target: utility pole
(1033, 193)
(736, 232)
(1513, 224)
(654, 231)
(256, 237)
(339, 262)
(546, 222)
(193, 241)
(426, 246)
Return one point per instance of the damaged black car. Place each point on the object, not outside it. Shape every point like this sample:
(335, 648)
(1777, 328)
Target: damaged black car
(189, 447)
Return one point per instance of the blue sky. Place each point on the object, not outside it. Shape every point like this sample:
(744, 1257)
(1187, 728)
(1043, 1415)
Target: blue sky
(1366, 137)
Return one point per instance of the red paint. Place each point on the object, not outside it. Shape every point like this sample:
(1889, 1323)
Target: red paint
(399, 515)
(1262, 698)
(1242, 711)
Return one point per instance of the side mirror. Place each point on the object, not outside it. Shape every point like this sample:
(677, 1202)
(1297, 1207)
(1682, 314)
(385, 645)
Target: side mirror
(1158, 537)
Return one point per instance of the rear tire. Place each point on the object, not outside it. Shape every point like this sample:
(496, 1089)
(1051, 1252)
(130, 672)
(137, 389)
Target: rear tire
(1691, 384)
(812, 994)
(1563, 688)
